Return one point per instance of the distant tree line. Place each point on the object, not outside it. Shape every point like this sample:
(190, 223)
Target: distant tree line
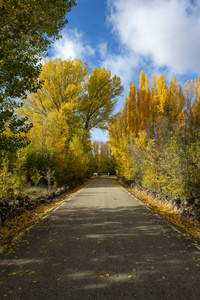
(102, 160)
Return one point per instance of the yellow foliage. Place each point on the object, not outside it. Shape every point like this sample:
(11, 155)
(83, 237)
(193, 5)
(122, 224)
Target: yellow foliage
(157, 132)
(50, 132)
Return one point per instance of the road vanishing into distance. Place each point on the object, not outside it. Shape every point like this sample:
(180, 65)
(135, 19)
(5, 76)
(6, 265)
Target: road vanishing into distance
(102, 243)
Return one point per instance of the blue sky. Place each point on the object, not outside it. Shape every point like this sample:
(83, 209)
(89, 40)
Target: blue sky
(126, 36)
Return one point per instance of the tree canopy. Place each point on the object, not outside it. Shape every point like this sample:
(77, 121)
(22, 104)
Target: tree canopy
(63, 111)
(85, 100)
(27, 28)
(99, 98)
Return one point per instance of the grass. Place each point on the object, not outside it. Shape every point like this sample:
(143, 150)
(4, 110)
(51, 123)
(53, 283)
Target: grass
(35, 190)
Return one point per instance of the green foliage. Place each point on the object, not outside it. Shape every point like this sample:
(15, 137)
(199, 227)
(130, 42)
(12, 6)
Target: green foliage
(20, 172)
(12, 130)
(32, 166)
(36, 177)
(27, 29)
(6, 179)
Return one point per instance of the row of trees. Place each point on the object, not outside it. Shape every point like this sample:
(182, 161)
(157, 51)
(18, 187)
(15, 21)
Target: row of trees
(60, 116)
(155, 138)
(27, 29)
(46, 110)
(102, 160)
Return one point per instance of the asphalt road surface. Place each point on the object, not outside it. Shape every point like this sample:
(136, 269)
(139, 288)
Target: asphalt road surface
(101, 244)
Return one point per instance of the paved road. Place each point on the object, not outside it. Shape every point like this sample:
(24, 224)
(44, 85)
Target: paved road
(101, 244)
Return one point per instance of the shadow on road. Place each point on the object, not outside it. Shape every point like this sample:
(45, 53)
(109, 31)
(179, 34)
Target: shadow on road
(99, 253)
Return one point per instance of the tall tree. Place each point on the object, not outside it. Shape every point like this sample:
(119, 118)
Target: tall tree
(58, 111)
(156, 137)
(86, 101)
(62, 86)
(98, 101)
(27, 28)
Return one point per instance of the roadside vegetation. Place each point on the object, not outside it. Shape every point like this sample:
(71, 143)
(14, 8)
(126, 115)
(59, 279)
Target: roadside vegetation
(155, 138)
(61, 115)
(47, 108)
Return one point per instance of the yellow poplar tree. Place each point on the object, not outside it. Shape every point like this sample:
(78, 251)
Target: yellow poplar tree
(99, 99)
(132, 117)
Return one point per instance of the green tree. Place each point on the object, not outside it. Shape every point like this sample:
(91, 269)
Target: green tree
(27, 28)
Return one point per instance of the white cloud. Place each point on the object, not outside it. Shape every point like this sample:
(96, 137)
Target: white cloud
(103, 49)
(72, 44)
(165, 31)
(123, 65)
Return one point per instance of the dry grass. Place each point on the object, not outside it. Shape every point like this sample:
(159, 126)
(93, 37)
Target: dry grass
(35, 190)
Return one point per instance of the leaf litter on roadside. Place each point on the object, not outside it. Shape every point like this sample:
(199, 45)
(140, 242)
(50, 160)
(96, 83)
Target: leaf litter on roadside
(190, 226)
(13, 230)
